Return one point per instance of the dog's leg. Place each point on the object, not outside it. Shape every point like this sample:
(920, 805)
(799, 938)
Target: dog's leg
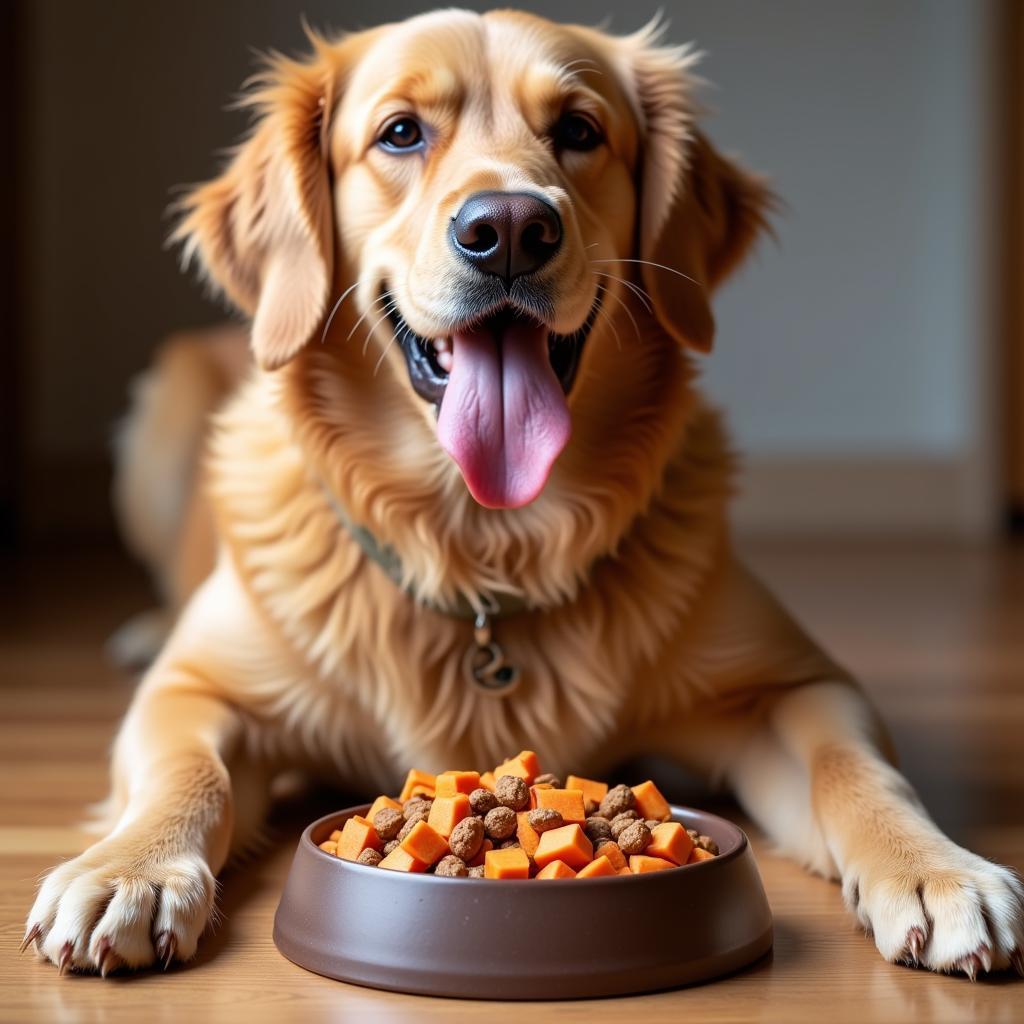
(814, 776)
(145, 893)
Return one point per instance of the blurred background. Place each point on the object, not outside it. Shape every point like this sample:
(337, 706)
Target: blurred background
(869, 360)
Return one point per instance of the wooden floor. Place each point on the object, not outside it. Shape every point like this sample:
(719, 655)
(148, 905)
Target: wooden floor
(936, 632)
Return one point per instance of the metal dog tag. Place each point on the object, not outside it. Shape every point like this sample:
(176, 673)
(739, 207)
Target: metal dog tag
(484, 663)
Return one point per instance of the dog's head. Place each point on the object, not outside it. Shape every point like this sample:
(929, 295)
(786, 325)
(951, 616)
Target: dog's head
(493, 193)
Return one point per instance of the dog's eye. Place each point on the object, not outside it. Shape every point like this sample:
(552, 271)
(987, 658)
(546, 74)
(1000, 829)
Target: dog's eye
(401, 134)
(577, 131)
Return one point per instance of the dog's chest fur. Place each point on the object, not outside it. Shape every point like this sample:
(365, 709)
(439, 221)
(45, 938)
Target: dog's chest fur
(377, 681)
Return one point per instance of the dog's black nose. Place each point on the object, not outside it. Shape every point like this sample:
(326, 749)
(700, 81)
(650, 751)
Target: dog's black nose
(506, 233)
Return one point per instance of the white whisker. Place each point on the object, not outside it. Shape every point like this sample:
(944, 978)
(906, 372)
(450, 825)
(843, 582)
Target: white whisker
(387, 348)
(335, 308)
(608, 318)
(651, 263)
(387, 312)
(618, 299)
(348, 337)
(639, 292)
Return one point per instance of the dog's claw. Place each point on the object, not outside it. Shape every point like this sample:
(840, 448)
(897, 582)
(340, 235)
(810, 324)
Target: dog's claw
(166, 947)
(66, 952)
(30, 936)
(984, 955)
(915, 943)
(106, 959)
(969, 965)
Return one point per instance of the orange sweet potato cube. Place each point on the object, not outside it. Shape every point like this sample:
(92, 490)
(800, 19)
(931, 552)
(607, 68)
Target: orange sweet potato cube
(336, 834)
(524, 764)
(382, 803)
(697, 855)
(568, 843)
(424, 843)
(556, 869)
(650, 803)
(599, 867)
(592, 790)
(568, 803)
(624, 871)
(480, 854)
(534, 789)
(488, 781)
(329, 846)
(417, 782)
(447, 811)
(526, 833)
(612, 852)
(450, 783)
(640, 864)
(511, 863)
(670, 842)
(401, 860)
(357, 835)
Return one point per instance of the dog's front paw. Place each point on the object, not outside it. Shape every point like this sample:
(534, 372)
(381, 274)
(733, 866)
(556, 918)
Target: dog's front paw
(946, 909)
(128, 901)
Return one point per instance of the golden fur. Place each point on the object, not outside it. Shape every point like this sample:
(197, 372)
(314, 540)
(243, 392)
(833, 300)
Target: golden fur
(644, 633)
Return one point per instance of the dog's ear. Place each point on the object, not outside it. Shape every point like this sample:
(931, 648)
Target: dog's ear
(264, 230)
(699, 212)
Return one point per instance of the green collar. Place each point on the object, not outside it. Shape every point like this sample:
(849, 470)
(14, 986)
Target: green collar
(487, 604)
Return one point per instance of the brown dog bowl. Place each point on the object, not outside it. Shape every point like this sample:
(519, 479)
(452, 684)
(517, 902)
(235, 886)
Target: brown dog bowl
(479, 938)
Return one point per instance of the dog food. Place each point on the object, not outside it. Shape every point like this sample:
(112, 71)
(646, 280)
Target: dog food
(516, 822)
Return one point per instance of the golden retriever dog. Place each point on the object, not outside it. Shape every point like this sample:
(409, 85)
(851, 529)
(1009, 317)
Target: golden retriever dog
(467, 500)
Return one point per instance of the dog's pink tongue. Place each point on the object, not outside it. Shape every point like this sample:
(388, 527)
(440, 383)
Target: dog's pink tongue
(503, 416)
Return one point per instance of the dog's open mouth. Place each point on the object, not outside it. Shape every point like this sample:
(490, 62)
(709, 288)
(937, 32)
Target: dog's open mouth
(500, 385)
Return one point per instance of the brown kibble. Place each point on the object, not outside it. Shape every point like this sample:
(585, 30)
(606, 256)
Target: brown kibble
(387, 823)
(543, 819)
(482, 800)
(509, 844)
(451, 867)
(500, 823)
(410, 823)
(416, 805)
(552, 780)
(652, 823)
(590, 807)
(617, 800)
(466, 838)
(388, 847)
(707, 843)
(692, 833)
(621, 821)
(369, 856)
(597, 829)
(512, 792)
(476, 872)
(634, 838)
